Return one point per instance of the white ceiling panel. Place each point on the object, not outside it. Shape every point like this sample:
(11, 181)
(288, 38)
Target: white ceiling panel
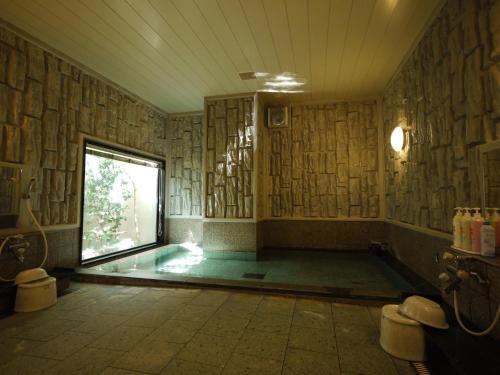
(173, 53)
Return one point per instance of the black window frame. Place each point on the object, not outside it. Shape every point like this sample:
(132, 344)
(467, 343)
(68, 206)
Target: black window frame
(160, 212)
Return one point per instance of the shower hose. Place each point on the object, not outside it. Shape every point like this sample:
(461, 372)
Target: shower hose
(37, 224)
(481, 333)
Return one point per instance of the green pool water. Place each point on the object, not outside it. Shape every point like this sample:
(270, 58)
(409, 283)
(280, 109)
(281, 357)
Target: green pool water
(355, 270)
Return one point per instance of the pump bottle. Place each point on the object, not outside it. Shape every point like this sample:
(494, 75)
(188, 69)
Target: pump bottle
(487, 240)
(466, 221)
(475, 231)
(457, 228)
(495, 223)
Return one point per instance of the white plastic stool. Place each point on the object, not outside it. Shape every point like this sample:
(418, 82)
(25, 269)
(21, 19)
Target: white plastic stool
(400, 336)
(36, 295)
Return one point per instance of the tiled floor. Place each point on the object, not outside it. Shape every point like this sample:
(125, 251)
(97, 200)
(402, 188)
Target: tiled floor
(103, 329)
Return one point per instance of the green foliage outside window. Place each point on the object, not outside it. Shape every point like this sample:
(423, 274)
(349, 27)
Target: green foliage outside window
(103, 216)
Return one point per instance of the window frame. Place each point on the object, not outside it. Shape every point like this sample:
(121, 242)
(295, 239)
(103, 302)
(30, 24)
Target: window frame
(160, 211)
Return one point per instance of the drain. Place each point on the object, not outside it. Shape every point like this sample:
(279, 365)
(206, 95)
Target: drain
(256, 276)
(421, 368)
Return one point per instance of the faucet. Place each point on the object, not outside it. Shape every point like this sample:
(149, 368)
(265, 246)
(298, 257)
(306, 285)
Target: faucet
(17, 246)
(478, 278)
(463, 260)
(452, 257)
(458, 276)
(30, 188)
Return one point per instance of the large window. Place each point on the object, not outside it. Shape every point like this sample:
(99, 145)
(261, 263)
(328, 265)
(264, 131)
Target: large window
(122, 202)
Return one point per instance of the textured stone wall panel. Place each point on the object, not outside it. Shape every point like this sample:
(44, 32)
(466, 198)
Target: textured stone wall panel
(317, 164)
(454, 114)
(4, 89)
(185, 164)
(229, 161)
(44, 103)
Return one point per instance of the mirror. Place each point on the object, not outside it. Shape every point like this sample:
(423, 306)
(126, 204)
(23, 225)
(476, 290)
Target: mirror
(490, 168)
(10, 177)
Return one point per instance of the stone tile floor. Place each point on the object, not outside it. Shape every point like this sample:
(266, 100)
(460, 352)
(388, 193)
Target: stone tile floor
(105, 329)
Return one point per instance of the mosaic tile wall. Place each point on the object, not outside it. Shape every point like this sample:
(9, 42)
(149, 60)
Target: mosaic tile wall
(185, 164)
(448, 94)
(45, 103)
(325, 163)
(229, 163)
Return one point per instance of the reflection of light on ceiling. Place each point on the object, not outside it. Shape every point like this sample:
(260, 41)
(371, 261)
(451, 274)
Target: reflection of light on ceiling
(261, 74)
(284, 77)
(282, 83)
(281, 91)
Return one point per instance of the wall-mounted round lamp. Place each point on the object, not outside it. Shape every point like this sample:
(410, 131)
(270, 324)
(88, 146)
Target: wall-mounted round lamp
(398, 139)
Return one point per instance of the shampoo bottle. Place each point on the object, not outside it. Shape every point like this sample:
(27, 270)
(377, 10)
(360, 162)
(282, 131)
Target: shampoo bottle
(475, 231)
(457, 228)
(495, 223)
(487, 240)
(466, 245)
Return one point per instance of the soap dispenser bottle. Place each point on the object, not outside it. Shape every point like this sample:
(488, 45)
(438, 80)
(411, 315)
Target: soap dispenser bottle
(495, 223)
(475, 230)
(487, 240)
(457, 227)
(466, 243)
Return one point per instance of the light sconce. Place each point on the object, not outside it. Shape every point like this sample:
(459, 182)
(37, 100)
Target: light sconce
(398, 139)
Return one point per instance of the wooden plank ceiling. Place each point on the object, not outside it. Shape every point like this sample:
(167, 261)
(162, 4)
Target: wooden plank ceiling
(175, 52)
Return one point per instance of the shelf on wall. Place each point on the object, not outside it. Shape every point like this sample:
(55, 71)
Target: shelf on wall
(495, 262)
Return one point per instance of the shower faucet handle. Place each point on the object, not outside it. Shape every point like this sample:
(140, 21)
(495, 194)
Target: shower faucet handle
(444, 277)
(449, 256)
(463, 275)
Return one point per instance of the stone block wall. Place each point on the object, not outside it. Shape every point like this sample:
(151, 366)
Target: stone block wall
(185, 164)
(45, 102)
(325, 163)
(492, 178)
(8, 191)
(448, 96)
(229, 159)
(321, 234)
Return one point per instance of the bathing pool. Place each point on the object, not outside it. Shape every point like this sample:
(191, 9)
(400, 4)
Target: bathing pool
(343, 272)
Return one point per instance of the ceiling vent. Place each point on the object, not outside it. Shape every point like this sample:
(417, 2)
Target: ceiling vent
(245, 76)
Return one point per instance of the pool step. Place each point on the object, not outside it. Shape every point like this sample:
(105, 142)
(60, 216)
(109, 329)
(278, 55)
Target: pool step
(252, 285)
